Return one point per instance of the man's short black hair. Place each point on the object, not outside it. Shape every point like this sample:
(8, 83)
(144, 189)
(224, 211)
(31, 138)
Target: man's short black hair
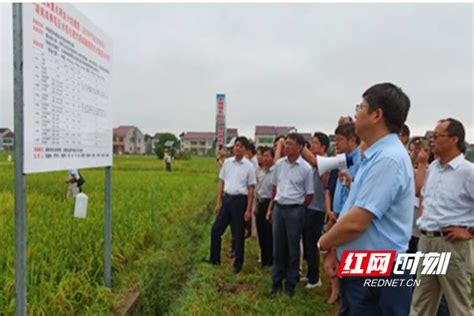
(394, 103)
(405, 131)
(251, 147)
(269, 149)
(348, 131)
(298, 138)
(455, 128)
(323, 139)
(243, 141)
(260, 149)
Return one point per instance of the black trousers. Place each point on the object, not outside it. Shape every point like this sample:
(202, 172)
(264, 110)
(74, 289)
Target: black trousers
(287, 229)
(413, 245)
(264, 231)
(232, 213)
(312, 229)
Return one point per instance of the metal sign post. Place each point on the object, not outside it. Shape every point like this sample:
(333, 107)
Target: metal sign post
(108, 228)
(20, 178)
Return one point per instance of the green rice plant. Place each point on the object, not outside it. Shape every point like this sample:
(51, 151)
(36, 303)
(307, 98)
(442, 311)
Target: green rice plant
(157, 218)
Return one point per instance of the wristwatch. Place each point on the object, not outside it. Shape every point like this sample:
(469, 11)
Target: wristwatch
(320, 250)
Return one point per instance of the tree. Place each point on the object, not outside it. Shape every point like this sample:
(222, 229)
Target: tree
(160, 145)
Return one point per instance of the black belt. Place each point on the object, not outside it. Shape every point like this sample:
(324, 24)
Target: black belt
(235, 196)
(261, 200)
(431, 234)
(436, 233)
(285, 206)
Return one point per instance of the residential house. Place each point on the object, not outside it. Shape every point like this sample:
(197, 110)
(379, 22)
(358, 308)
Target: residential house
(7, 138)
(264, 135)
(198, 143)
(128, 140)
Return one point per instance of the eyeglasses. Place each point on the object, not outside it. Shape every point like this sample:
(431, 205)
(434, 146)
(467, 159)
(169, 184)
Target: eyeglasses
(436, 135)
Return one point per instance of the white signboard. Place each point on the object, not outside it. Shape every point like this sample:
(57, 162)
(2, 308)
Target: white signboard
(66, 74)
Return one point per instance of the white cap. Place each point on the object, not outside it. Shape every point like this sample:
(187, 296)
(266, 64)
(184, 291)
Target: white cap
(231, 143)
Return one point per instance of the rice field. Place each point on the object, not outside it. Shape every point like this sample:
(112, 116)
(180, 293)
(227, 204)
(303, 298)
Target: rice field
(157, 220)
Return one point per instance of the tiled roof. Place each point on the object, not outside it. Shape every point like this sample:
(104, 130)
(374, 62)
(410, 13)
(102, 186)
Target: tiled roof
(3, 130)
(121, 131)
(199, 136)
(272, 130)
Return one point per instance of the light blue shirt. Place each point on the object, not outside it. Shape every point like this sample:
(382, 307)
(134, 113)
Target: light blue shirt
(448, 195)
(237, 176)
(385, 187)
(293, 181)
(318, 202)
(342, 191)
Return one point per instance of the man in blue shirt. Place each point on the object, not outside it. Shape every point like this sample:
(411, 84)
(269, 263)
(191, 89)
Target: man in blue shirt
(316, 211)
(347, 142)
(378, 212)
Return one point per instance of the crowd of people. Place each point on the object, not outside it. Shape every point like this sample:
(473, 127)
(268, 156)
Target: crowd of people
(398, 194)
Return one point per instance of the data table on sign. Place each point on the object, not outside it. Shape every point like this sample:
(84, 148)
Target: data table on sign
(68, 99)
(66, 74)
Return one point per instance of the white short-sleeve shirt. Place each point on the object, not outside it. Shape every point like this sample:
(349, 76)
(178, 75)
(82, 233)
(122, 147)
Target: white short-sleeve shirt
(264, 186)
(448, 195)
(237, 175)
(293, 181)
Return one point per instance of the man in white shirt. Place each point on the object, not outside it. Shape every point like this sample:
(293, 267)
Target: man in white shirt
(264, 195)
(293, 181)
(234, 203)
(446, 223)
